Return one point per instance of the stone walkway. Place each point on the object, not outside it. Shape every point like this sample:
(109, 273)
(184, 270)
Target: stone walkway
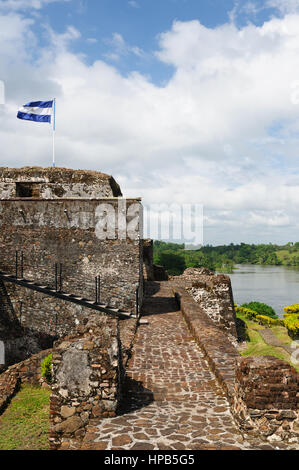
(173, 399)
(270, 338)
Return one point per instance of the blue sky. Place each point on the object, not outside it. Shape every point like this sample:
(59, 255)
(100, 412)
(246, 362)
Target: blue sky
(183, 101)
(139, 23)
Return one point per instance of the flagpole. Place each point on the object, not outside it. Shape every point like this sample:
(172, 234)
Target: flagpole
(54, 129)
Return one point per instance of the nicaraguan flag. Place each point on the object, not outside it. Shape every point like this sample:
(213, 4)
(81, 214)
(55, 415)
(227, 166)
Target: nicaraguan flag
(38, 111)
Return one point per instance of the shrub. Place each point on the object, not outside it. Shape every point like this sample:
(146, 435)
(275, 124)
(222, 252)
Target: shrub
(291, 309)
(291, 322)
(46, 368)
(250, 314)
(266, 321)
(280, 322)
(261, 309)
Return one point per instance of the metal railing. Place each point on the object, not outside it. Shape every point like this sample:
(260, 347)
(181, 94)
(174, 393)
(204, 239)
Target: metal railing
(62, 278)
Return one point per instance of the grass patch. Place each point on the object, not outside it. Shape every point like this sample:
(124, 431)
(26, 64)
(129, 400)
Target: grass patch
(282, 334)
(251, 325)
(256, 346)
(25, 423)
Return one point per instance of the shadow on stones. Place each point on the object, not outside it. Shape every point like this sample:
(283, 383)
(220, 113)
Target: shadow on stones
(154, 305)
(159, 305)
(135, 397)
(151, 288)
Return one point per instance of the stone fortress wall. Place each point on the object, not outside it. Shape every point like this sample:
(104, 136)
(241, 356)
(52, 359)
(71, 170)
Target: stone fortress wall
(79, 220)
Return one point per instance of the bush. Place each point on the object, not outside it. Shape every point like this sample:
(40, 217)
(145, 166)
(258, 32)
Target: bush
(46, 368)
(261, 309)
(291, 322)
(291, 309)
(250, 314)
(172, 262)
(266, 321)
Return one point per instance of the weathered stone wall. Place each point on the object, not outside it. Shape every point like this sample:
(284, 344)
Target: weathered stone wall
(214, 294)
(87, 377)
(52, 183)
(266, 397)
(148, 260)
(46, 315)
(65, 231)
(18, 343)
(9, 323)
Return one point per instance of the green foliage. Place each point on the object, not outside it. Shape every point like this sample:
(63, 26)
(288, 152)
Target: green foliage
(192, 258)
(256, 317)
(173, 263)
(292, 324)
(250, 314)
(290, 309)
(265, 320)
(224, 257)
(261, 309)
(46, 368)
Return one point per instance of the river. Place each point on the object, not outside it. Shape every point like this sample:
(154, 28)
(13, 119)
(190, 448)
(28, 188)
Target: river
(277, 286)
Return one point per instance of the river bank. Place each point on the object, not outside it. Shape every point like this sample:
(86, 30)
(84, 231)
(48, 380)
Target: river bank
(277, 286)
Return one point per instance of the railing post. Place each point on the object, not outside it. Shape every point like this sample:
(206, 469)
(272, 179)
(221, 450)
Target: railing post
(98, 288)
(137, 301)
(22, 265)
(56, 277)
(60, 278)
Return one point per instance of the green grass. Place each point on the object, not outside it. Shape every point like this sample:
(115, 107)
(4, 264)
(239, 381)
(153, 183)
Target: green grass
(256, 346)
(286, 254)
(25, 423)
(250, 324)
(282, 334)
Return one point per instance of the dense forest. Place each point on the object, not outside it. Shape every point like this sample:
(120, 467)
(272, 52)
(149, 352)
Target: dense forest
(176, 259)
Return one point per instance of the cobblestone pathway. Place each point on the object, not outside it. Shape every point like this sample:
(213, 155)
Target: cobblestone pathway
(270, 338)
(173, 400)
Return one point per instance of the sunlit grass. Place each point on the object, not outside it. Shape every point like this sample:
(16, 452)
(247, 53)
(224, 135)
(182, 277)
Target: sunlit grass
(256, 346)
(25, 423)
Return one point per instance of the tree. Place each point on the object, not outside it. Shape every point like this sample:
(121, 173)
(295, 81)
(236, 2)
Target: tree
(173, 263)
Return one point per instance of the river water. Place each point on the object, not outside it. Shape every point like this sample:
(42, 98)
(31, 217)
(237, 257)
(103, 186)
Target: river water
(277, 286)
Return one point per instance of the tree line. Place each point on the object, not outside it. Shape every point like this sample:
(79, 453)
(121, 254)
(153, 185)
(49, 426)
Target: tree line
(223, 258)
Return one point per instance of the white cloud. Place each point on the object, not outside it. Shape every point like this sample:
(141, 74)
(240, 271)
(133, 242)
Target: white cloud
(120, 48)
(134, 4)
(19, 5)
(92, 40)
(284, 6)
(208, 136)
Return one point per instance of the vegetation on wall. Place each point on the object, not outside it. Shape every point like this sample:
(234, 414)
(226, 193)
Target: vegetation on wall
(46, 368)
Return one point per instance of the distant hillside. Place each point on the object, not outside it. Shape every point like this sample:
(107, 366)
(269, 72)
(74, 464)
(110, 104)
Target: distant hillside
(223, 258)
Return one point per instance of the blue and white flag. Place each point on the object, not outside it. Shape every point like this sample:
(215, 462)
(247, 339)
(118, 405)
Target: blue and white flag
(38, 111)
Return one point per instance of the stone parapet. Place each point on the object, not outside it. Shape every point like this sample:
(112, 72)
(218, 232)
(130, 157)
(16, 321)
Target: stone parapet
(219, 351)
(214, 294)
(87, 378)
(266, 397)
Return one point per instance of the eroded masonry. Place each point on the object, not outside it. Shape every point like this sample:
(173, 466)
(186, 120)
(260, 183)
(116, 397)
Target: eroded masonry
(78, 280)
